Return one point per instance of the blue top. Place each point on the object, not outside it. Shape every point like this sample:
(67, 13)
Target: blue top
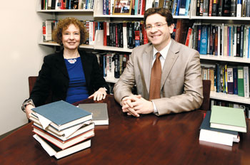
(77, 83)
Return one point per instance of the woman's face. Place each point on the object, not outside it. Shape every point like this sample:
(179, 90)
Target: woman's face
(71, 37)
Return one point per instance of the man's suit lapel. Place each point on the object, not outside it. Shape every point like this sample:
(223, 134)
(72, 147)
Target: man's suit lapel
(146, 62)
(173, 54)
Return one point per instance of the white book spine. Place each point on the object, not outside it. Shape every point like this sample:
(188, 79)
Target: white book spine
(246, 81)
(125, 40)
(238, 13)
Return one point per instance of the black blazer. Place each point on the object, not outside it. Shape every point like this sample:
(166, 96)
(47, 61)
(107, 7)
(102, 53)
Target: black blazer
(53, 77)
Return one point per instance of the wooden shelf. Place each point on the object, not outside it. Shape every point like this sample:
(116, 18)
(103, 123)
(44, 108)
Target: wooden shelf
(65, 11)
(56, 44)
(225, 59)
(229, 97)
(111, 79)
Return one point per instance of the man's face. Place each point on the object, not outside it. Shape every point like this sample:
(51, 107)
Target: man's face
(158, 32)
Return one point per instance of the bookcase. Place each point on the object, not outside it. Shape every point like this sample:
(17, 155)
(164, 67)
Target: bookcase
(97, 14)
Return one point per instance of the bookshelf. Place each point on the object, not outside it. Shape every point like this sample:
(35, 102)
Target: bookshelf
(97, 14)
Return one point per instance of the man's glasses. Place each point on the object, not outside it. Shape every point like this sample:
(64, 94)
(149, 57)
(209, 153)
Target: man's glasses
(157, 25)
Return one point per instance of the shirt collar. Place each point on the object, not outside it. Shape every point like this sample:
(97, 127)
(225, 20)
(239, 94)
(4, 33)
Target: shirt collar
(164, 51)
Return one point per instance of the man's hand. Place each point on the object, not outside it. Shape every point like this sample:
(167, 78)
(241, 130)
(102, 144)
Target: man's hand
(136, 105)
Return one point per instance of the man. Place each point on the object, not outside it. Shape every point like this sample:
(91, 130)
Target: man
(179, 87)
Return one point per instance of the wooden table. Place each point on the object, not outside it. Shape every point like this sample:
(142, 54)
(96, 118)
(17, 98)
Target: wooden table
(171, 139)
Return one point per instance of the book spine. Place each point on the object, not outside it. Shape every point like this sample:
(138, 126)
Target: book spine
(240, 81)
(241, 40)
(235, 77)
(203, 42)
(230, 80)
(246, 81)
(238, 11)
(182, 8)
(214, 8)
(233, 8)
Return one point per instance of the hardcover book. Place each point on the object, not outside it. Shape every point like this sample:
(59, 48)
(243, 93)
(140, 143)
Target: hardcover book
(215, 135)
(61, 115)
(60, 143)
(53, 150)
(228, 118)
(99, 112)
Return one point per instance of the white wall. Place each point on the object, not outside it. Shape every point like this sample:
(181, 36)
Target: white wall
(21, 56)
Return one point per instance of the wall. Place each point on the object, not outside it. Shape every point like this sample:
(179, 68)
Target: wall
(21, 56)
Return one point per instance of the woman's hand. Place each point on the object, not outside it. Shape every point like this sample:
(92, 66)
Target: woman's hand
(99, 95)
(28, 110)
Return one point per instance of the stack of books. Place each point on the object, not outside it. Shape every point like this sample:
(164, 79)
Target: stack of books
(62, 128)
(222, 125)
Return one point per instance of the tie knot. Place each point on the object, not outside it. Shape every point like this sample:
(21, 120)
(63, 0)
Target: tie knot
(158, 55)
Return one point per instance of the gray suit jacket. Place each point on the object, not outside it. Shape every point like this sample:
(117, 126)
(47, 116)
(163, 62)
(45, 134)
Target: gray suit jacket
(181, 83)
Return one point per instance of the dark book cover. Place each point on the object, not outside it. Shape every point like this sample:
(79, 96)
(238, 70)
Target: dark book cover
(230, 78)
(116, 65)
(233, 8)
(220, 7)
(238, 40)
(206, 125)
(226, 8)
(241, 39)
(235, 79)
(198, 8)
(215, 7)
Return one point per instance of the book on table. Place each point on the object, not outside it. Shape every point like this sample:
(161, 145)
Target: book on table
(53, 150)
(63, 144)
(228, 118)
(60, 115)
(84, 128)
(99, 112)
(215, 135)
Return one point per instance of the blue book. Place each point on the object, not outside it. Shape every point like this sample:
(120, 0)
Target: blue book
(187, 7)
(235, 79)
(62, 114)
(174, 7)
(136, 7)
(182, 7)
(230, 38)
(203, 42)
(218, 76)
(178, 7)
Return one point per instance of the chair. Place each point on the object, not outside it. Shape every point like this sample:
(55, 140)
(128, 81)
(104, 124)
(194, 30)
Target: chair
(32, 81)
(206, 95)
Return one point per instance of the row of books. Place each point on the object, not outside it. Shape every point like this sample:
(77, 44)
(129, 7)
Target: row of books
(66, 4)
(119, 34)
(222, 125)
(112, 64)
(227, 78)
(230, 8)
(220, 39)
(179, 7)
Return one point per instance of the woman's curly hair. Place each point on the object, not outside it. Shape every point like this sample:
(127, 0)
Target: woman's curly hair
(63, 25)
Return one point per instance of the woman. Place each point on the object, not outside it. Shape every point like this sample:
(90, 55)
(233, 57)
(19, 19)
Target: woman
(71, 75)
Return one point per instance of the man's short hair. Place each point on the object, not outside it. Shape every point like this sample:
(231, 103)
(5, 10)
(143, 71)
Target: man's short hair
(162, 11)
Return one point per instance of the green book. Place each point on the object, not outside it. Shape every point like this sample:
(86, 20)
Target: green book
(240, 81)
(228, 118)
